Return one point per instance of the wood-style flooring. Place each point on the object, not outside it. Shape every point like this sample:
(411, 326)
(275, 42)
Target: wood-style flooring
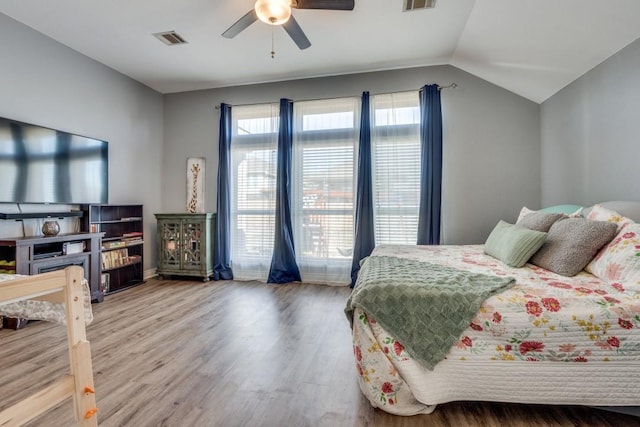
(186, 353)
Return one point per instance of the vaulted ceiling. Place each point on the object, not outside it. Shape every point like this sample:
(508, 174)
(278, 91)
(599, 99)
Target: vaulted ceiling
(532, 48)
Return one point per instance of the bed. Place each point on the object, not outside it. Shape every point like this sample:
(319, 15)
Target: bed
(543, 338)
(62, 297)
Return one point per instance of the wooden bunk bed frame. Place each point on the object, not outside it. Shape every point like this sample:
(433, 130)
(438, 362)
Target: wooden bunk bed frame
(61, 287)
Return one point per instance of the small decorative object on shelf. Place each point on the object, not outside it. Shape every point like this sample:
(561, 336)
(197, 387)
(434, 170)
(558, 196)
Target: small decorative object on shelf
(50, 228)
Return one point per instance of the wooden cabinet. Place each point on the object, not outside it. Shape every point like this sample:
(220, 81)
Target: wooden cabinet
(185, 244)
(121, 259)
(40, 254)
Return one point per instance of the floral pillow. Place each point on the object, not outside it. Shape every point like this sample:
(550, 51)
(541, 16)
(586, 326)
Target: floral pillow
(619, 261)
(600, 213)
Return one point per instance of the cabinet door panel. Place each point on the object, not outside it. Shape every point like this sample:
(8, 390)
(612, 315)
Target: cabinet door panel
(192, 233)
(170, 241)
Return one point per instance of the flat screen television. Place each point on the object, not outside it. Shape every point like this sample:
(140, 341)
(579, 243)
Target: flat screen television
(42, 165)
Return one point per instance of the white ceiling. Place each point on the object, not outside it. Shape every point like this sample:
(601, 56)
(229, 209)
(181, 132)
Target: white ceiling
(533, 48)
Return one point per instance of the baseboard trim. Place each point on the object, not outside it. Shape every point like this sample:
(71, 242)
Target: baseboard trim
(148, 274)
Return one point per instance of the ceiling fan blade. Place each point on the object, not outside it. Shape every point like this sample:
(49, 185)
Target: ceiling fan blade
(323, 4)
(241, 24)
(295, 32)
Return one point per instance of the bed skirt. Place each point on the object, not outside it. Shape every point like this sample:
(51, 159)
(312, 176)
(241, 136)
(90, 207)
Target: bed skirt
(403, 387)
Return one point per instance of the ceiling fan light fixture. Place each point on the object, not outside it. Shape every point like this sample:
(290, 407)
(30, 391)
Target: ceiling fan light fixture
(273, 12)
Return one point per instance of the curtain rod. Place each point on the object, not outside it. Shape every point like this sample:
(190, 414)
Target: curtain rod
(449, 86)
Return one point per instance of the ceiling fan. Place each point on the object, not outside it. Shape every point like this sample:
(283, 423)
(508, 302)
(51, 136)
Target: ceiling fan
(278, 12)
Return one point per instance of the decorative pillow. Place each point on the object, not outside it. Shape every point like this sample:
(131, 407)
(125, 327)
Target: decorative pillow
(619, 261)
(600, 213)
(539, 221)
(523, 212)
(571, 243)
(573, 211)
(513, 244)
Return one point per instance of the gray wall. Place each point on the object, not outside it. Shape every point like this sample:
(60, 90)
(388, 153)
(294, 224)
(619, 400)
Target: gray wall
(491, 136)
(590, 135)
(491, 141)
(48, 84)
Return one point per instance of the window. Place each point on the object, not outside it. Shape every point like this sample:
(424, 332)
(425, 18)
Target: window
(323, 175)
(395, 157)
(254, 143)
(323, 182)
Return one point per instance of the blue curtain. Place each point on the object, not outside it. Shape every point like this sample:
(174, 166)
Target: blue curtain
(365, 230)
(283, 263)
(221, 251)
(430, 166)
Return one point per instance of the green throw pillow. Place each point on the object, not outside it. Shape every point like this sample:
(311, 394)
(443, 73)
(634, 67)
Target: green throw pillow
(512, 244)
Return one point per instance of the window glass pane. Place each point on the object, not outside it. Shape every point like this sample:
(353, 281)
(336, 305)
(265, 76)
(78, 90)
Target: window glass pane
(253, 187)
(323, 187)
(257, 125)
(397, 116)
(395, 139)
(341, 120)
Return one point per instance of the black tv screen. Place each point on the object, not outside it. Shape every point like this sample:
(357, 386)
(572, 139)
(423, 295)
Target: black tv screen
(42, 165)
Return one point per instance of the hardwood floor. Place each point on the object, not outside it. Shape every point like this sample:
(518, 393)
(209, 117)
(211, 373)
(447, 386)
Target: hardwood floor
(186, 353)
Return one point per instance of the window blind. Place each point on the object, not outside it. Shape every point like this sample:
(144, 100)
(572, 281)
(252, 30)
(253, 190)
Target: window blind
(253, 157)
(395, 140)
(325, 140)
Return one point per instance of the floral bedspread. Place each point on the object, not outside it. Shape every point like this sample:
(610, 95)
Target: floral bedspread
(545, 317)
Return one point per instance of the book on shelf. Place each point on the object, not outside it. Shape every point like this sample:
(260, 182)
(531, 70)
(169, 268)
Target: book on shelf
(132, 259)
(105, 280)
(132, 240)
(114, 244)
(133, 234)
(115, 258)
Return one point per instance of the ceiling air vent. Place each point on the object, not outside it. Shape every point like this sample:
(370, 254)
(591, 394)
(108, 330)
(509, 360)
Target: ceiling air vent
(170, 38)
(418, 4)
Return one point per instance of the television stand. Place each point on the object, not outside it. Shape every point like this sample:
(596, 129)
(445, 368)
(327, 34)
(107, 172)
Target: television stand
(36, 254)
(47, 255)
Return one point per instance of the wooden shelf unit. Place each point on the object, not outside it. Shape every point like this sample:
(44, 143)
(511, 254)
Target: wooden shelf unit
(122, 243)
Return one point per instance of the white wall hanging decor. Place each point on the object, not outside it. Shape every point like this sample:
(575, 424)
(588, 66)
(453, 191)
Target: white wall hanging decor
(195, 185)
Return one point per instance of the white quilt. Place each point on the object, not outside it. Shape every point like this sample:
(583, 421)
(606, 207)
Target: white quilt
(550, 339)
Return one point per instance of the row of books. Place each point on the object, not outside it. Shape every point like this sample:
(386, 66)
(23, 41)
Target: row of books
(117, 258)
(125, 241)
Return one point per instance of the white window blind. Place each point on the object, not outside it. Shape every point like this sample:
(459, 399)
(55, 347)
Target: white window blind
(323, 175)
(253, 189)
(395, 141)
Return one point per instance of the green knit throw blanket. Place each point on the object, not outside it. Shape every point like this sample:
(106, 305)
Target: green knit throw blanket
(425, 306)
